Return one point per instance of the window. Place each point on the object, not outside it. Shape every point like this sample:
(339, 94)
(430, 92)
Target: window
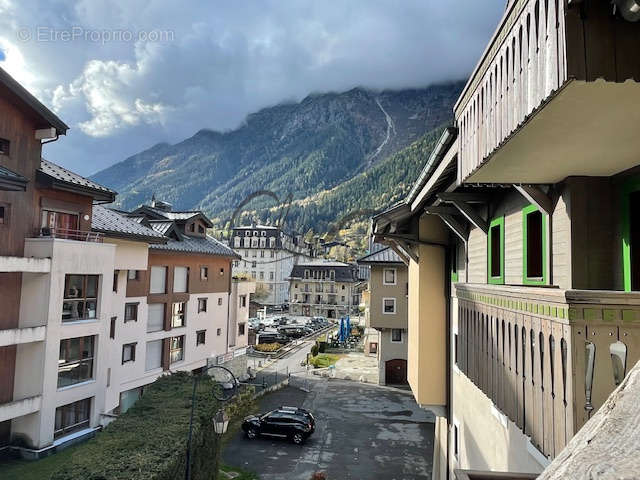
(534, 248)
(222, 272)
(271, 277)
(455, 349)
(306, 274)
(176, 349)
(155, 317)
(112, 327)
(454, 263)
(220, 301)
(132, 275)
(128, 398)
(202, 305)
(243, 301)
(200, 229)
(332, 274)
(495, 255)
(241, 329)
(153, 358)
(80, 297)
(62, 224)
(236, 242)
(180, 279)
(158, 280)
(396, 335)
(4, 146)
(201, 337)
(273, 254)
(75, 361)
(456, 441)
(263, 233)
(261, 275)
(218, 332)
(177, 314)
(115, 281)
(72, 417)
(389, 276)
(204, 273)
(261, 253)
(388, 304)
(128, 353)
(192, 227)
(253, 265)
(130, 312)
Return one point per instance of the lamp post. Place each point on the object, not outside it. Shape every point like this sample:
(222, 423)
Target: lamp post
(220, 421)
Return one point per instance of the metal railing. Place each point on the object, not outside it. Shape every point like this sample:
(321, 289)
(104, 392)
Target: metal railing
(67, 234)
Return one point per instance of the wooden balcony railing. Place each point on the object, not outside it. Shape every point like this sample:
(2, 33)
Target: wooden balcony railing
(522, 65)
(79, 235)
(547, 358)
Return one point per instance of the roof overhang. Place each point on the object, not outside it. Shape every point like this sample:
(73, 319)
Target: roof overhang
(56, 184)
(12, 182)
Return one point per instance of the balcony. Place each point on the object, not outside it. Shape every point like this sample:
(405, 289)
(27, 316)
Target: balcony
(66, 234)
(20, 408)
(555, 82)
(17, 336)
(25, 264)
(547, 358)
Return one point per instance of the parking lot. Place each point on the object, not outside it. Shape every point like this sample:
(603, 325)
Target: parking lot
(362, 431)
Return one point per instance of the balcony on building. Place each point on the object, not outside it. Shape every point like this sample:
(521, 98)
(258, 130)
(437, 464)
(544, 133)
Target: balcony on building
(558, 81)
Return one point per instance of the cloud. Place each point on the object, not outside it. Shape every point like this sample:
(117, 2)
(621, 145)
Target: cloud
(212, 63)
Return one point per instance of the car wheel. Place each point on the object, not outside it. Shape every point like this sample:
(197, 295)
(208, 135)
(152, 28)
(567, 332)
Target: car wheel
(297, 438)
(251, 433)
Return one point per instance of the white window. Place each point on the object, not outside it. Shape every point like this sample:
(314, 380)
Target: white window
(236, 242)
(263, 233)
(254, 242)
(263, 242)
(158, 280)
(389, 276)
(180, 279)
(155, 319)
(456, 440)
(272, 242)
(396, 335)
(270, 275)
(153, 357)
(388, 305)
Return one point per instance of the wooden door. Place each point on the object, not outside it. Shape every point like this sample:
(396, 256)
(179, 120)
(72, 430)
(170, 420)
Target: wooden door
(396, 372)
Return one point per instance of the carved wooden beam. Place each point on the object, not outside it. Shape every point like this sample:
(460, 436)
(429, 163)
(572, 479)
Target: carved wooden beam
(441, 210)
(403, 256)
(466, 197)
(462, 231)
(407, 250)
(536, 196)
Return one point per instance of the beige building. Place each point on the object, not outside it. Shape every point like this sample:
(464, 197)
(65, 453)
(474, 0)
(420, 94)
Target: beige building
(529, 204)
(386, 311)
(323, 288)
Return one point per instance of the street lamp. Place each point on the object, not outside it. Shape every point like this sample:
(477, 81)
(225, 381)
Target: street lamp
(220, 421)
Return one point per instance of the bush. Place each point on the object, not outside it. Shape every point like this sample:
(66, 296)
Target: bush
(322, 347)
(267, 347)
(314, 350)
(149, 441)
(324, 360)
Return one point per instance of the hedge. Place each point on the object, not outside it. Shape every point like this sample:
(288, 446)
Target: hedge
(149, 441)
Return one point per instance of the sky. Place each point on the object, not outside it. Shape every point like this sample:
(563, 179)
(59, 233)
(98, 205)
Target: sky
(128, 74)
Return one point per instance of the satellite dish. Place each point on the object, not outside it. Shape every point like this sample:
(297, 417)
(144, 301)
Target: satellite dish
(629, 9)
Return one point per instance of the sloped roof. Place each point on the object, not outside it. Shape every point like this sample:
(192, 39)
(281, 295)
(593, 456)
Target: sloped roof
(386, 255)
(12, 181)
(63, 179)
(47, 116)
(159, 214)
(161, 226)
(206, 246)
(112, 223)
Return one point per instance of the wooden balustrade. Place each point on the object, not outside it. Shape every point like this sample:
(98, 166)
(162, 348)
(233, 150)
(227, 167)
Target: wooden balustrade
(546, 363)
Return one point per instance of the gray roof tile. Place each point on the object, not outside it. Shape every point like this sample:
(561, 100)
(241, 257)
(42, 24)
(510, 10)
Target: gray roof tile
(206, 246)
(107, 221)
(61, 174)
(386, 255)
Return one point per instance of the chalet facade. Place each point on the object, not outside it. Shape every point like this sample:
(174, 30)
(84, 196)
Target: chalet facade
(323, 288)
(530, 203)
(386, 310)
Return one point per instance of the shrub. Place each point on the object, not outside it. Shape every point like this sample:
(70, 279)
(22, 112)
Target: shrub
(314, 350)
(149, 441)
(267, 347)
(322, 347)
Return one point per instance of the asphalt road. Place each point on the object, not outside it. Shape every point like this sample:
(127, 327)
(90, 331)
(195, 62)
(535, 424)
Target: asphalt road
(362, 432)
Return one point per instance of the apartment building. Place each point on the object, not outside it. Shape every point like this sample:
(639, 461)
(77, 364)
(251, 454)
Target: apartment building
(268, 255)
(386, 308)
(529, 203)
(324, 288)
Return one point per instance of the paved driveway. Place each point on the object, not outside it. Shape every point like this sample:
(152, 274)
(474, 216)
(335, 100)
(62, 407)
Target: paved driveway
(363, 432)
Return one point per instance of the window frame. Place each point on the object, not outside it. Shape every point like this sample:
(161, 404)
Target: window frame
(5, 147)
(384, 276)
(67, 363)
(401, 335)
(384, 300)
(166, 278)
(199, 340)
(526, 280)
(242, 329)
(204, 273)
(128, 305)
(84, 298)
(202, 304)
(496, 222)
(454, 263)
(172, 350)
(67, 429)
(182, 314)
(6, 210)
(132, 346)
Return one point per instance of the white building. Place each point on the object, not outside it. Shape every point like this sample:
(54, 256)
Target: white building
(268, 256)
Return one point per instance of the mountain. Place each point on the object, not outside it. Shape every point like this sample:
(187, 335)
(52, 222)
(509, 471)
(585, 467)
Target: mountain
(330, 153)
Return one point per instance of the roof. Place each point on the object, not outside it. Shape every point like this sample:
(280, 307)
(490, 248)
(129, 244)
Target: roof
(159, 214)
(114, 224)
(47, 116)
(12, 181)
(62, 179)
(206, 246)
(161, 226)
(386, 255)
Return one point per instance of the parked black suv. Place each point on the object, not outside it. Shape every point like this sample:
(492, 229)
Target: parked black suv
(293, 423)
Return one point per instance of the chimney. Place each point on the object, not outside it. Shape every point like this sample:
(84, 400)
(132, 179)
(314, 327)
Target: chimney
(160, 205)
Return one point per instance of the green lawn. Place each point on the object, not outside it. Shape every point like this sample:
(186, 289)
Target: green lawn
(35, 470)
(323, 360)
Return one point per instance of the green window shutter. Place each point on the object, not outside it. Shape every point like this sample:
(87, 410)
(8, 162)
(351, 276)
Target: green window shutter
(529, 278)
(495, 251)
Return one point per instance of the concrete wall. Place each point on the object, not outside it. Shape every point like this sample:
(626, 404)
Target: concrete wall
(388, 350)
(379, 291)
(237, 313)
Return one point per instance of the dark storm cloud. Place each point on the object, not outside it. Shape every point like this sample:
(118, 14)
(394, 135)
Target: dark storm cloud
(135, 73)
